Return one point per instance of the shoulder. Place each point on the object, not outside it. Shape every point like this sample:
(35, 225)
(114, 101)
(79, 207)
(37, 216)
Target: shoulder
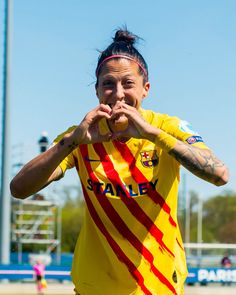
(160, 120)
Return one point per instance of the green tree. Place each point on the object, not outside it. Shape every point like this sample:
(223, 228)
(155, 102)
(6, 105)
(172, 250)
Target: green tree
(220, 217)
(72, 219)
(227, 232)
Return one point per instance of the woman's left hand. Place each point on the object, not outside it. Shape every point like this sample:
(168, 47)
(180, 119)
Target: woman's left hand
(135, 127)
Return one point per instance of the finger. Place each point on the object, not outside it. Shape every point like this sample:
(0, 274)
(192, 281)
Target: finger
(120, 105)
(102, 114)
(105, 108)
(129, 113)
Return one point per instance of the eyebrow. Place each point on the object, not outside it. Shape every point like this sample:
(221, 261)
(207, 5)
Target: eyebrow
(109, 76)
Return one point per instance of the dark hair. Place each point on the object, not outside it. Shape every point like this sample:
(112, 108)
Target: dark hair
(123, 44)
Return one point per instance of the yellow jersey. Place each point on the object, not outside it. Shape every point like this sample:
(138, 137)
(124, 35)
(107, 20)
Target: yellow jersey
(130, 242)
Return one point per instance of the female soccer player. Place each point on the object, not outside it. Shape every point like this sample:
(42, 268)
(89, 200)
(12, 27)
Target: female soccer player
(128, 162)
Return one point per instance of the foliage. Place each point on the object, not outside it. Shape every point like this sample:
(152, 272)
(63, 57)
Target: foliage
(218, 221)
(227, 232)
(72, 214)
(219, 215)
(72, 219)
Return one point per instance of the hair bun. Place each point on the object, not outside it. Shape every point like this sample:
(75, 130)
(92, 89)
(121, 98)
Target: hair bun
(125, 36)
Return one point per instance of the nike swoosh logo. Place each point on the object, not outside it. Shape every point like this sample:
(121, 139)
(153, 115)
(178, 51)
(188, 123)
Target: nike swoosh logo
(91, 160)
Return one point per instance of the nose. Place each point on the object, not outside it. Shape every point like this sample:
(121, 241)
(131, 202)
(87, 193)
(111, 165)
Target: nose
(119, 92)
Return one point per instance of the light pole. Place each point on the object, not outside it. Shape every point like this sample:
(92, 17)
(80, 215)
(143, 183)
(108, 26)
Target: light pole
(199, 226)
(43, 146)
(187, 213)
(5, 202)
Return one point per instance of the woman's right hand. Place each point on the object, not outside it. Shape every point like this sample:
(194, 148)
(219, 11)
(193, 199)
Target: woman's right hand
(88, 130)
(44, 168)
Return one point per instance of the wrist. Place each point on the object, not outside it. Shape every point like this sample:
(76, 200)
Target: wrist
(69, 142)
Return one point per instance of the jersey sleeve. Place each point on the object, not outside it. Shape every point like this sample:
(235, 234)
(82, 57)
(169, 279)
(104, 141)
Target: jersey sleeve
(68, 161)
(183, 131)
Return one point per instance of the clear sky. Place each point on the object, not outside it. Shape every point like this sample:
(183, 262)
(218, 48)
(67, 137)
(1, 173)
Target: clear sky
(189, 46)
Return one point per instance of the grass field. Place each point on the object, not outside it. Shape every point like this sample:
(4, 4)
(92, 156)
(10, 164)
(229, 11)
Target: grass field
(67, 289)
(30, 289)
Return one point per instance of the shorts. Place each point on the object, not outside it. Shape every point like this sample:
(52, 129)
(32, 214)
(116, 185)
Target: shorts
(38, 277)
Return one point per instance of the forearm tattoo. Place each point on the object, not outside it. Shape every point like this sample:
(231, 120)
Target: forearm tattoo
(202, 163)
(62, 142)
(71, 146)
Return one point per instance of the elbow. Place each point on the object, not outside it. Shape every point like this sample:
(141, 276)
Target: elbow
(222, 179)
(15, 191)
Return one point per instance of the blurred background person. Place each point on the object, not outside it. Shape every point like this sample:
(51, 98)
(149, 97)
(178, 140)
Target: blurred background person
(39, 269)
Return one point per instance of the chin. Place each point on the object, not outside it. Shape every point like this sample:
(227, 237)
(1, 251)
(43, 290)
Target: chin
(121, 125)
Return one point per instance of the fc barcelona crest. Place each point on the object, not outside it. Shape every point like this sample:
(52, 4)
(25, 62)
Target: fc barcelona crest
(149, 158)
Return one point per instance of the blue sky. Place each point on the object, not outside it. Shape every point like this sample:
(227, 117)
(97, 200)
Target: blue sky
(189, 46)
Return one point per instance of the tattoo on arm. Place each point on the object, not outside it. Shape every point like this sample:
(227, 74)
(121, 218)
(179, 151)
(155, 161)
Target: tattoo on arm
(62, 142)
(202, 163)
(71, 146)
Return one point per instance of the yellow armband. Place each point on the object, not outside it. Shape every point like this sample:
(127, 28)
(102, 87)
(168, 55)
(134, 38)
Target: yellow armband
(165, 141)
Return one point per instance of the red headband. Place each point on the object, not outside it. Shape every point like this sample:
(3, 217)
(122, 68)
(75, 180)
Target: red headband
(122, 56)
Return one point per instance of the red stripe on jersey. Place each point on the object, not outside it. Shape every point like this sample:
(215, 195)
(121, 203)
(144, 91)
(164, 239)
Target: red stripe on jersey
(139, 177)
(179, 244)
(120, 224)
(130, 203)
(115, 247)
